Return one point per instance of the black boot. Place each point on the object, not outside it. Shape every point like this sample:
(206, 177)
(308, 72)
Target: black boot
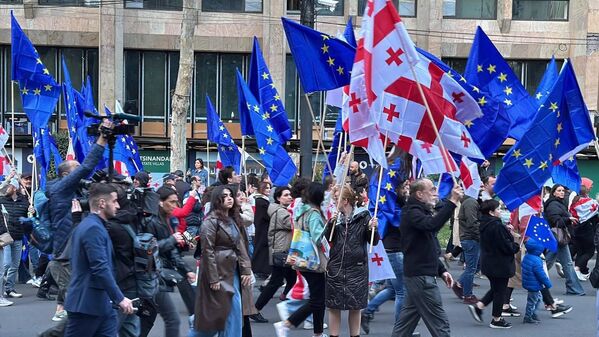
(44, 289)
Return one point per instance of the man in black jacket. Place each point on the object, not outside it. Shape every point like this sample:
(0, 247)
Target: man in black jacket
(418, 241)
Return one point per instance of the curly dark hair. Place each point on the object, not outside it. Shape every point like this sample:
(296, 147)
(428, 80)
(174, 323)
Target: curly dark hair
(217, 208)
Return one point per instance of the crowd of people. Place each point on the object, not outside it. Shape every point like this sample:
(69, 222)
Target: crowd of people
(120, 248)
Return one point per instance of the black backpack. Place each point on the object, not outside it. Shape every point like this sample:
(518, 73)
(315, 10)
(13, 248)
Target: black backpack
(146, 263)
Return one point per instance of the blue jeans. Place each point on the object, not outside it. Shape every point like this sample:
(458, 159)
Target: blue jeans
(1, 273)
(12, 259)
(34, 257)
(471, 253)
(128, 325)
(573, 286)
(532, 303)
(395, 288)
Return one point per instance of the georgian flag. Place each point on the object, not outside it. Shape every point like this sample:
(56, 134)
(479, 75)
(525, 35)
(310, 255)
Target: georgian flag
(584, 209)
(3, 137)
(389, 61)
(379, 267)
(70, 151)
(470, 177)
(430, 156)
(121, 168)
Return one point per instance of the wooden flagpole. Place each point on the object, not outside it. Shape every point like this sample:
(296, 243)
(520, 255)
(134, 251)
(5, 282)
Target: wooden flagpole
(12, 116)
(338, 151)
(378, 193)
(348, 160)
(320, 143)
(207, 161)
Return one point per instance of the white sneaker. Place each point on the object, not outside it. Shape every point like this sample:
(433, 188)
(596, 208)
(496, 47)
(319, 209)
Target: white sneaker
(30, 282)
(36, 282)
(60, 316)
(560, 270)
(280, 329)
(282, 310)
(581, 276)
(558, 301)
(4, 302)
(310, 326)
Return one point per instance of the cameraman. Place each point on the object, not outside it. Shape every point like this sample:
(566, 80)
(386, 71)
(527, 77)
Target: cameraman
(65, 212)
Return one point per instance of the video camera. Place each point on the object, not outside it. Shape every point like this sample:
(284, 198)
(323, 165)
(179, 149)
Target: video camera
(124, 124)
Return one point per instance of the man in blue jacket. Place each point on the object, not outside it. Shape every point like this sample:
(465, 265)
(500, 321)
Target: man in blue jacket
(62, 204)
(93, 292)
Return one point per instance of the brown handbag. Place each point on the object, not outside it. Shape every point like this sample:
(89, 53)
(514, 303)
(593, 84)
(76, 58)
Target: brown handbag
(562, 235)
(5, 239)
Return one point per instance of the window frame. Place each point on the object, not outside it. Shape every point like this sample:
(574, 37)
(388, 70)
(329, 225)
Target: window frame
(567, 19)
(236, 11)
(361, 9)
(455, 17)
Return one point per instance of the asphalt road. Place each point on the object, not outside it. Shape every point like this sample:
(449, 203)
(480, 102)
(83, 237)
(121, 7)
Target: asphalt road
(28, 316)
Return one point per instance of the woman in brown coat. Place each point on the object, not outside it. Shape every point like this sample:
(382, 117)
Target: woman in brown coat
(224, 268)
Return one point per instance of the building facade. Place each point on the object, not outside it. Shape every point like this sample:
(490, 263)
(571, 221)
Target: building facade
(130, 48)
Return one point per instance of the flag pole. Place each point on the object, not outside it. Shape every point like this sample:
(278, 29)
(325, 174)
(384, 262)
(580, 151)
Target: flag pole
(320, 143)
(338, 151)
(244, 164)
(207, 162)
(378, 193)
(596, 147)
(12, 165)
(12, 116)
(444, 153)
(348, 160)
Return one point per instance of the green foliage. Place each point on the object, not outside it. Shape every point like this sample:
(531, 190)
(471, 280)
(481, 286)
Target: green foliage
(62, 141)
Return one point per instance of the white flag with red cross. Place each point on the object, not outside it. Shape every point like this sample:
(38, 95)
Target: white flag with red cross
(70, 151)
(392, 71)
(470, 177)
(431, 158)
(3, 137)
(121, 168)
(5, 167)
(379, 267)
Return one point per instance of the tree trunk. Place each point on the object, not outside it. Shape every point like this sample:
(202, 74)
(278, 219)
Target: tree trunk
(182, 95)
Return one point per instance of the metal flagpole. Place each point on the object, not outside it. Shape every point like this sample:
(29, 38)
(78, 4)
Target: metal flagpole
(12, 114)
(244, 168)
(207, 161)
(348, 160)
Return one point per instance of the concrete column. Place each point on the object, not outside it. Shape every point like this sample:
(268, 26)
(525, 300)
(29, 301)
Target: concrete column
(274, 43)
(110, 55)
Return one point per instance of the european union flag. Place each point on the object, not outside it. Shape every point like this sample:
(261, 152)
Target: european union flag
(263, 88)
(77, 131)
(126, 151)
(332, 157)
(488, 71)
(279, 165)
(389, 212)
(39, 90)
(218, 133)
(567, 174)
(560, 129)
(538, 230)
(491, 129)
(45, 150)
(547, 82)
(323, 62)
(349, 35)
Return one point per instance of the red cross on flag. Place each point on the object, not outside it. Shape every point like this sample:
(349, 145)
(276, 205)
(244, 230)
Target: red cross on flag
(379, 267)
(584, 209)
(3, 137)
(430, 156)
(70, 151)
(392, 71)
(470, 177)
(4, 166)
(121, 168)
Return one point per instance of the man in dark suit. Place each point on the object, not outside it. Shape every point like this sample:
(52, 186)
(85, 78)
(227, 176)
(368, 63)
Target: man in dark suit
(93, 292)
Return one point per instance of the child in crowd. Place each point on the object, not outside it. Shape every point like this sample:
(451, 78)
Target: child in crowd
(534, 279)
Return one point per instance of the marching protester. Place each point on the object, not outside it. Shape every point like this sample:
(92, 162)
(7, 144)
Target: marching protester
(347, 270)
(260, 264)
(200, 171)
(497, 262)
(561, 221)
(534, 278)
(421, 264)
(225, 269)
(585, 210)
(93, 290)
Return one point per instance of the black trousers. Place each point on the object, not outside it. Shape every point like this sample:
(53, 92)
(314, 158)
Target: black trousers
(276, 281)
(496, 294)
(582, 249)
(166, 308)
(315, 305)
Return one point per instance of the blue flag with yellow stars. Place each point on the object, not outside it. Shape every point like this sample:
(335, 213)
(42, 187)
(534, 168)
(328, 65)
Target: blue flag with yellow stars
(538, 229)
(349, 35)
(389, 211)
(323, 62)
(547, 82)
(263, 88)
(491, 129)
(561, 128)
(277, 161)
(488, 71)
(218, 133)
(126, 151)
(45, 150)
(39, 90)
(567, 174)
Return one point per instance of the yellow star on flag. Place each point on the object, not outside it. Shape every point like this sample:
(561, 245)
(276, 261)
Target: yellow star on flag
(383, 199)
(553, 106)
(39, 60)
(340, 70)
(475, 88)
(391, 173)
(528, 162)
(468, 123)
(507, 90)
(48, 87)
(269, 141)
(262, 150)
(502, 77)
(539, 95)
(491, 68)
(325, 37)
(559, 127)
(557, 142)
(249, 106)
(256, 108)
(24, 91)
(325, 48)
(449, 74)
(269, 128)
(331, 61)
(222, 128)
(277, 97)
(265, 116)
(36, 91)
(462, 79)
(482, 101)
(507, 102)
(272, 85)
(479, 68)
(265, 76)
(516, 153)
(388, 187)
(273, 107)
(46, 71)
(543, 165)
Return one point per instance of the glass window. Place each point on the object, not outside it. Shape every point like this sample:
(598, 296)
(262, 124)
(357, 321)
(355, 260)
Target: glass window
(91, 69)
(406, 8)
(228, 85)
(291, 87)
(335, 10)
(174, 5)
(132, 80)
(293, 5)
(154, 85)
(458, 65)
(90, 3)
(541, 10)
(205, 83)
(470, 9)
(11, 2)
(251, 6)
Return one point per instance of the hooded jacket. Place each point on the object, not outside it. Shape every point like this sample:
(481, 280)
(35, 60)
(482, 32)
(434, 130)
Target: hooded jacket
(556, 213)
(534, 277)
(497, 248)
